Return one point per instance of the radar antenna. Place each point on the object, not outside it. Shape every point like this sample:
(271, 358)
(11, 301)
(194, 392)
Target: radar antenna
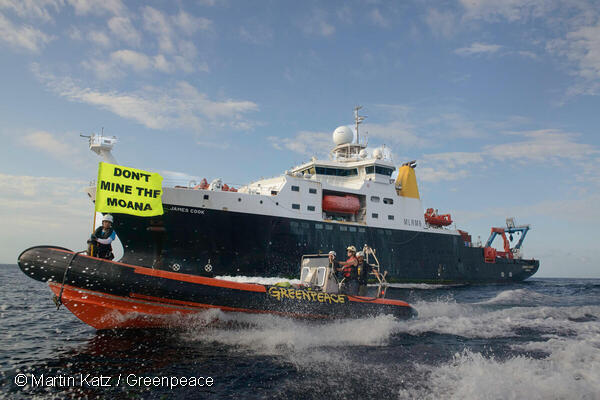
(102, 146)
(358, 119)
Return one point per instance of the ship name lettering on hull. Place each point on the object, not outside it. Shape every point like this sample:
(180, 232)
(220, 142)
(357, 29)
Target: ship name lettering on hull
(186, 210)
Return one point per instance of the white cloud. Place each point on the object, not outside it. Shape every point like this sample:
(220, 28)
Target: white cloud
(256, 33)
(182, 106)
(399, 132)
(62, 148)
(317, 24)
(123, 29)
(545, 145)
(189, 24)
(541, 146)
(32, 206)
(378, 19)
(512, 10)
(137, 61)
(48, 143)
(23, 37)
(100, 38)
(581, 47)
(157, 23)
(478, 48)
(96, 7)
(305, 143)
(41, 9)
(441, 23)
(161, 64)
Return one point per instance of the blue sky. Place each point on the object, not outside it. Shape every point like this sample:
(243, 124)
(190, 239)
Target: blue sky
(497, 100)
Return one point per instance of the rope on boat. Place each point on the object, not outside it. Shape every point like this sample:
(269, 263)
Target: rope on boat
(58, 299)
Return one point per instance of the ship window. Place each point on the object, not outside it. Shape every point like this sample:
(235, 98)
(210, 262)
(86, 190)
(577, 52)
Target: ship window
(318, 226)
(295, 188)
(383, 171)
(273, 192)
(305, 225)
(312, 190)
(343, 228)
(391, 217)
(328, 227)
(375, 199)
(239, 199)
(337, 171)
(261, 202)
(293, 224)
(320, 276)
(380, 232)
(375, 215)
(361, 230)
(389, 233)
(352, 229)
(310, 208)
(296, 206)
(370, 169)
(205, 197)
(388, 201)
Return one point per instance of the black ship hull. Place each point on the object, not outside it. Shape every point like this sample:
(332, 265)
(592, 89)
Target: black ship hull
(201, 241)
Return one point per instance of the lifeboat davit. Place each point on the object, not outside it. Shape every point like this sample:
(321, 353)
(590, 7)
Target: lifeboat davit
(347, 204)
(435, 219)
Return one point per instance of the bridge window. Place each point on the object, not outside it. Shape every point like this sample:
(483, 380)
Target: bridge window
(312, 190)
(375, 215)
(343, 228)
(370, 169)
(352, 229)
(337, 171)
(388, 201)
(391, 217)
(383, 171)
(295, 188)
(296, 206)
(310, 208)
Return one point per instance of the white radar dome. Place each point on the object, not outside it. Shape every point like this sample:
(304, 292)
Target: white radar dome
(342, 135)
(378, 153)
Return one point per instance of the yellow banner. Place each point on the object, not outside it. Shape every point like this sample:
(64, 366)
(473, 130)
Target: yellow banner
(128, 191)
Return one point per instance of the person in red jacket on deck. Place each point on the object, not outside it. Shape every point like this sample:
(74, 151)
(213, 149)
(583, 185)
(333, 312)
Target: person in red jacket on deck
(349, 272)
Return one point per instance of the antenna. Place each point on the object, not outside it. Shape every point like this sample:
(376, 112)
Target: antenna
(358, 120)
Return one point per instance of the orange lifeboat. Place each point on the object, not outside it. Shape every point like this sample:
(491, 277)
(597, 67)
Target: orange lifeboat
(347, 204)
(203, 184)
(433, 218)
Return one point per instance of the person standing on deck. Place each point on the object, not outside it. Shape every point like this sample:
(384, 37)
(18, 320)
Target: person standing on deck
(102, 238)
(348, 269)
(364, 269)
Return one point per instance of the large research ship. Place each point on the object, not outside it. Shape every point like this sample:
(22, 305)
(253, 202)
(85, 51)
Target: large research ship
(264, 228)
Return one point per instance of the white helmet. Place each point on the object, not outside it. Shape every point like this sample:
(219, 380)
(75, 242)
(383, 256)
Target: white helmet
(332, 253)
(360, 254)
(108, 218)
(352, 249)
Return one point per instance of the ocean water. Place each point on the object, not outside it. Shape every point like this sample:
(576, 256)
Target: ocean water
(538, 339)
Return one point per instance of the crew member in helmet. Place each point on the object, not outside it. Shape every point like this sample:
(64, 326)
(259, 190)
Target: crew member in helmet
(363, 271)
(332, 262)
(103, 237)
(349, 272)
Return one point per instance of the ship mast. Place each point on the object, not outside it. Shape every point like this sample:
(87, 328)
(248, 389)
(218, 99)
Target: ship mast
(358, 120)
